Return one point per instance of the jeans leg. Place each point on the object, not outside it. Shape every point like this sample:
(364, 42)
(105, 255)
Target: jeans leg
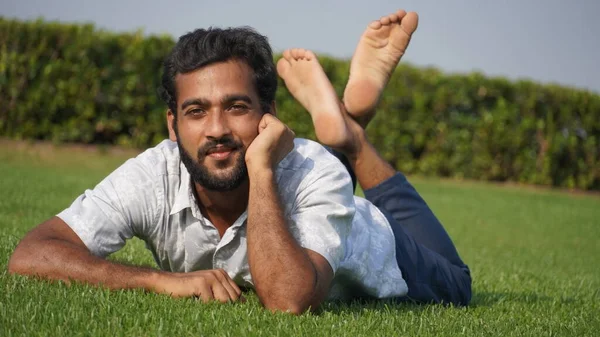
(430, 277)
(399, 198)
(425, 253)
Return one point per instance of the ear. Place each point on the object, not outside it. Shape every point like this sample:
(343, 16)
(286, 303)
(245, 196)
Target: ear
(273, 109)
(170, 121)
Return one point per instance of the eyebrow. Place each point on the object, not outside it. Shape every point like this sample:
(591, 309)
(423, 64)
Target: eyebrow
(226, 99)
(193, 101)
(236, 97)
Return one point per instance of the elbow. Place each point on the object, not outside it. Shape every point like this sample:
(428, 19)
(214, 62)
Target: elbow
(305, 297)
(13, 268)
(23, 260)
(295, 304)
(16, 264)
(287, 306)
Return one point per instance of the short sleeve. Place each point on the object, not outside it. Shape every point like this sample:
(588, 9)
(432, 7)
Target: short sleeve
(115, 210)
(322, 217)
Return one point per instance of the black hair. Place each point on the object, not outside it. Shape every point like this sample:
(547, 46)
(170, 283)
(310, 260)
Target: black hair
(203, 47)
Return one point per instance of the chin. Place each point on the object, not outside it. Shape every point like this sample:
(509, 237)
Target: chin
(227, 176)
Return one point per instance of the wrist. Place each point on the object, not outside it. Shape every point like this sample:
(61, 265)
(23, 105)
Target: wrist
(261, 179)
(260, 171)
(153, 281)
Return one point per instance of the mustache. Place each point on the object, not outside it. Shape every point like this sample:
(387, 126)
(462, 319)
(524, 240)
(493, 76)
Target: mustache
(227, 142)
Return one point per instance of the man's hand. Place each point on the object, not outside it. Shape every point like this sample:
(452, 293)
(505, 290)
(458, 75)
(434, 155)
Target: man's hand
(208, 285)
(274, 141)
(53, 251)
(286, 276)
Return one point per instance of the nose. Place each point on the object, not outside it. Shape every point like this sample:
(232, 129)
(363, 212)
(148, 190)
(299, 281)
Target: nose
(217, 125)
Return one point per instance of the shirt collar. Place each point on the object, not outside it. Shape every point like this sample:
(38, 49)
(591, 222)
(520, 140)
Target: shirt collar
(185, 196)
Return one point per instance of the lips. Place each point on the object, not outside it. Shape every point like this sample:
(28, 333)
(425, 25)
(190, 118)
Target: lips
(220, 152)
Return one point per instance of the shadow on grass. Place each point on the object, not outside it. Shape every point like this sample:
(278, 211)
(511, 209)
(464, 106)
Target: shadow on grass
(479, 299)
(364, 306)
(488, 298)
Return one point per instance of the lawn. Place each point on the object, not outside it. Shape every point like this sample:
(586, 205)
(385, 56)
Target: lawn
(533, 255)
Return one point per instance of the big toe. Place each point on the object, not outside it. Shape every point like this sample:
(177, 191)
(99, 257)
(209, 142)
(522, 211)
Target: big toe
(283, 67)
(287, 54)
(410, 22)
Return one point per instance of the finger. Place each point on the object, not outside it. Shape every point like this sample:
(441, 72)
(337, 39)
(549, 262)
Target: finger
(220, 293)
(235, 287)
(229, 284)
(233, 295)
(268, 121)
(262, 125)
(205, 291)
(269, 118)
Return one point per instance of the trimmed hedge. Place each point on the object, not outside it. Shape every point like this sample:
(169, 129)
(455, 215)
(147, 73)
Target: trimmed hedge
(73, 83)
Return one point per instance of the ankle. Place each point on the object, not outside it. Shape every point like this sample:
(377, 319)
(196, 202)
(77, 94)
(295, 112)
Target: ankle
(370, 168)
(355, 148)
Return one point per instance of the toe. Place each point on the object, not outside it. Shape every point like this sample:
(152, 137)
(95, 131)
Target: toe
(410, 22)
(375, 25)
(309, 55)
(287, 54)
(294, 53)
(385, 20)
(283, 66)
(301, 53)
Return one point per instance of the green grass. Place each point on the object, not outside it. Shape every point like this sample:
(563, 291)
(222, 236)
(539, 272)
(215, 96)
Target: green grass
(533, 254)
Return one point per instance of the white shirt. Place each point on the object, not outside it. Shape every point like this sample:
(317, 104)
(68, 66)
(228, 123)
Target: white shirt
(151, 197)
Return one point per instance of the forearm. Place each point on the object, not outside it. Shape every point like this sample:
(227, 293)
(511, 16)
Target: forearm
(56, 259)
(283, 274)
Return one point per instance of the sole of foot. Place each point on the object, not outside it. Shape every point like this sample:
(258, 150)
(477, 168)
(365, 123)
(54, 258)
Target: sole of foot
(307, 82)
(377, 54)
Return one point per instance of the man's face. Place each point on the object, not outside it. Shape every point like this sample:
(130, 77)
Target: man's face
(218, 113)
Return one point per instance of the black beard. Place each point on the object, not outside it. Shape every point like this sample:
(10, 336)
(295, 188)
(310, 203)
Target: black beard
(202, 176)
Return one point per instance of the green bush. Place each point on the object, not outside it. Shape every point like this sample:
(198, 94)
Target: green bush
(73, 83)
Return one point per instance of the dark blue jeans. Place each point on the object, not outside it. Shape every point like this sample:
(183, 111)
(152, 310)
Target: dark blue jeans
(425, 253)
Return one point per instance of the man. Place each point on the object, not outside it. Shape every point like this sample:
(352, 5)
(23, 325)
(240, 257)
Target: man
(232, 200)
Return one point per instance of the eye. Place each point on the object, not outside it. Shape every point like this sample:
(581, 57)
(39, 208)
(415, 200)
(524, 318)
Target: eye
(195, 112)
(238, 107)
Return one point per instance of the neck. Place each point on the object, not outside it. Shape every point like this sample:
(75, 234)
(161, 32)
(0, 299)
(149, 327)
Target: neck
(223, 208)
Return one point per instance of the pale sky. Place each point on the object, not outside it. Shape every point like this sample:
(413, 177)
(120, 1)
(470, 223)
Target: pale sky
(544, 40)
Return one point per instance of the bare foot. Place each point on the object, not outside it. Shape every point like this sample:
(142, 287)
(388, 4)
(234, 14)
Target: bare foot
(378, 52)
(307, 82)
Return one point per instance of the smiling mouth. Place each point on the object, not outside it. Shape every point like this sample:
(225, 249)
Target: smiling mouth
(220, 152)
